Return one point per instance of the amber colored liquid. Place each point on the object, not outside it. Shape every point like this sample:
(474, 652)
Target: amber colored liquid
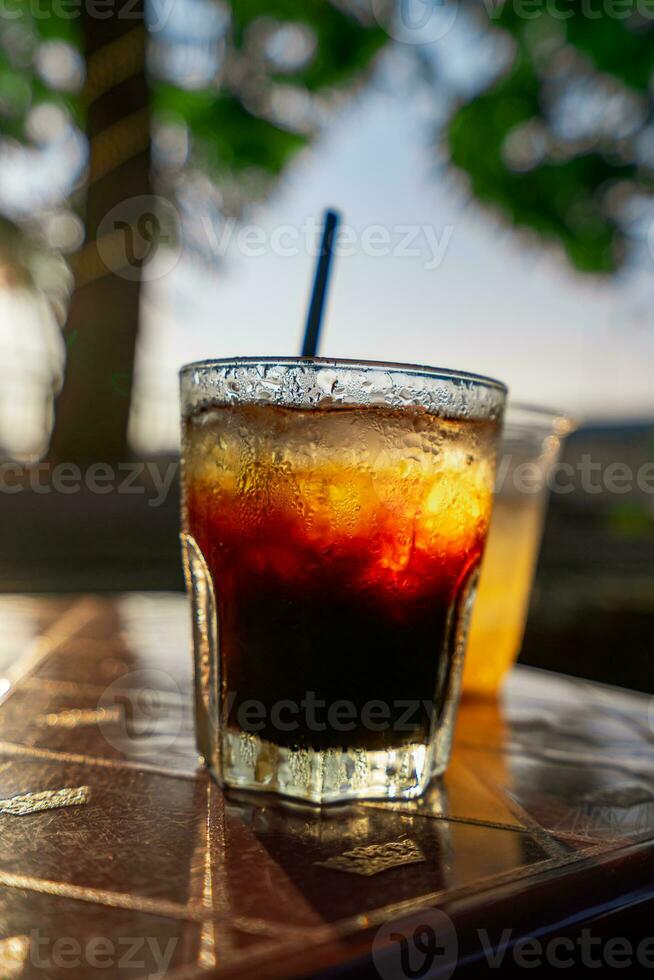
(507, 572)
(340, 543)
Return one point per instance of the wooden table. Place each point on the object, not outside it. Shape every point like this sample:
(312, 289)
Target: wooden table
(127, 860)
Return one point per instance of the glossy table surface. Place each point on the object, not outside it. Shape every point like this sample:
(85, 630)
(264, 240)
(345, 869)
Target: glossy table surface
(120, 857)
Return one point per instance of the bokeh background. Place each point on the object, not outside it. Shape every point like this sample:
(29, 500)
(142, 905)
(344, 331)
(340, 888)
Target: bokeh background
(163, 169)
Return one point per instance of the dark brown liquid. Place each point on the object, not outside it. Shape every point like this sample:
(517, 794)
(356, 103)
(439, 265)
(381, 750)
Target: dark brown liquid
(339, 580)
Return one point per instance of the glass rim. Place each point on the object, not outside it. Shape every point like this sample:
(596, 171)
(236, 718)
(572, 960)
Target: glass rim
(561, 422)
(352, 364)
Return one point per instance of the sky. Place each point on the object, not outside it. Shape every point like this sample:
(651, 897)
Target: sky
(476, 297)
(428, 276)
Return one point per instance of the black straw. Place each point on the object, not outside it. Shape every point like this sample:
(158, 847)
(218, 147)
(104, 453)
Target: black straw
(320, 282)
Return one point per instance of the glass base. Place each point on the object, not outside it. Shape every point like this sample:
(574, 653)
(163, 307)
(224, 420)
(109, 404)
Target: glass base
(328, 776)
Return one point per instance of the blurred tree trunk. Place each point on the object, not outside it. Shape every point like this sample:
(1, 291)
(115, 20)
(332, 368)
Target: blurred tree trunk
(92, 410)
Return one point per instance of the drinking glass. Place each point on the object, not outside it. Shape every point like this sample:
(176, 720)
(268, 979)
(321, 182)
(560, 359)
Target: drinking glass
(530, 447)
(334, 515)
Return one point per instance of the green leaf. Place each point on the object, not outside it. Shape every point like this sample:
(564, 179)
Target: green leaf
(562, 197)
(344, 46)
(228, 137)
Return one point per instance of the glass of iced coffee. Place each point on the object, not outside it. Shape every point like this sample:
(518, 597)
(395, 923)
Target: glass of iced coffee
(334, 518)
